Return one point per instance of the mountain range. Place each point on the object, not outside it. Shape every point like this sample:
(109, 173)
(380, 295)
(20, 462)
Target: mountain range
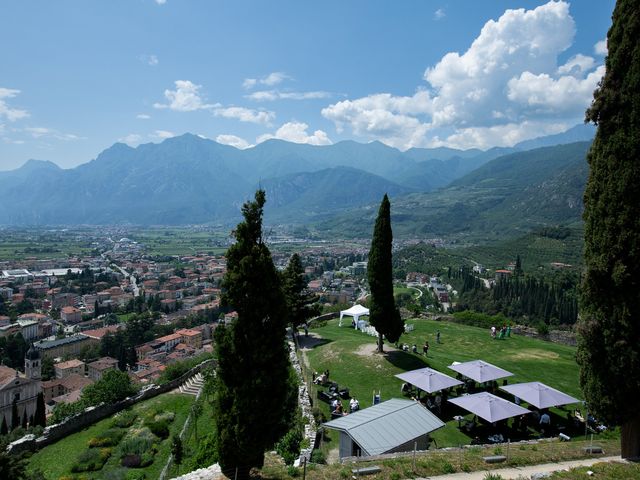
(192, 180)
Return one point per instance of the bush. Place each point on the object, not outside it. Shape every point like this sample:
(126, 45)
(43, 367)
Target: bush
(482, 320)
(543, 329)
(159, 428)
(124, 419)
(317, 456)
(492, 476)
(289, 446)
(91, 460)
(318, 415)
(109, 438)
(207, 452)
(293, 471)
(131, 460)
(448, 468)
(138, 444)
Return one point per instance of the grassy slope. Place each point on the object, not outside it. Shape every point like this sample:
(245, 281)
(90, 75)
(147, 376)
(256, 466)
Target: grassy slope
(527, 358)
(56, 460)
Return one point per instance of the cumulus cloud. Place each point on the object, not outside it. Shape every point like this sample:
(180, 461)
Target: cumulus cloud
(133, 139)
(11, 114)
(185, 98)
(297, 132)
(245, 114)
(495, 88)
(271, 95)
(234, 141)
(439, 14)
(270, 80)
(162, 134)
(44, 132)
(600, 48)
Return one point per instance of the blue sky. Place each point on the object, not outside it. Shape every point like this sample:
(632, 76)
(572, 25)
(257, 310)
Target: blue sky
(77, 76)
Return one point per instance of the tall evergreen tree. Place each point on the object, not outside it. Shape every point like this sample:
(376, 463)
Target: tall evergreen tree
(384, 315)
(301, 304)
(40, 417)
(15, 415)
(609, 348)
(254, 398)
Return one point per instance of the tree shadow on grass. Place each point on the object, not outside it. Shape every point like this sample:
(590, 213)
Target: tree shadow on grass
(405, 360)
(312, 341)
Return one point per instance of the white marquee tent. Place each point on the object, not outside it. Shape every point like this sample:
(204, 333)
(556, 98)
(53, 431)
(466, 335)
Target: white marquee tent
(356, 312)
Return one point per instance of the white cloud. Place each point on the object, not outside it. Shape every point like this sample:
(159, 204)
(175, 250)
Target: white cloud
(496, 87)
(153, 60)
(162, 134)
(133, 139)
(245, 114)
(143, 116)
(161, 2)
(564, 95)
(504, 135)
(43, 132)
(271, 95)
(577, 65)
(185, 98)
(439, 14)
(270, 80)
(600, 48)
(11, 114)
(234, 141)
(297, 132)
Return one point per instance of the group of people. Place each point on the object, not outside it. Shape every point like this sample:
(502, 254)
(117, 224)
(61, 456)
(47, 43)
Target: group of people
(504, 332)
(414, 348)
(338, 409)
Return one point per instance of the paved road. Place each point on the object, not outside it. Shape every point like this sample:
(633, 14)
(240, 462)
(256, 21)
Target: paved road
(526, 472)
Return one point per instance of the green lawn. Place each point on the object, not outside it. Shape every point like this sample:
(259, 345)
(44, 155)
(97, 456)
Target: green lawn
(56, 460)
(347, 353)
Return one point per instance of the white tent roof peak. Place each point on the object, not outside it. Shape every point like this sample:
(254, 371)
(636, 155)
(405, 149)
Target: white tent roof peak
(356, 312)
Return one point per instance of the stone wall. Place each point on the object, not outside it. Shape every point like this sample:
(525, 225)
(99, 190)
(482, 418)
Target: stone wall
(92, 415)
(310, 429)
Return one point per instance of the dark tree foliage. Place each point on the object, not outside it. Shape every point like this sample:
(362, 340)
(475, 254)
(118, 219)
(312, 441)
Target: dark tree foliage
(4, 428)
(609, 349)
(15, 415)
(12, 467)
(112, 387)
(48, 370)
(40, 417)
(384, 315)
(540, 301)
(301, 304)
(254, 398)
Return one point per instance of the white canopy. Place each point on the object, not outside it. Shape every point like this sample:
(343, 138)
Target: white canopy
(356, 312)
(488, 406)
(539, 394)
(428, 379)
(480, 371)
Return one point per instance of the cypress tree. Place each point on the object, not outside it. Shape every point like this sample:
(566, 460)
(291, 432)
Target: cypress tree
(15, 415)
(255, 399)
(40, 417)
(609, 347)
(300, 303)
(24, 419)
(4, 429)
(384, 315)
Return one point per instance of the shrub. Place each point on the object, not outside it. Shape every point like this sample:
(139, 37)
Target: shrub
(207, 452)
(109, 438)
(395, 476)
(543, 329)
(289, 446)
(318, 415)
(132, 460)
(137, 444)
(465, 468)
(159, 428)
(317, 456)
(293, 471)
(165, 417)
(448, 468)
(124, 419)
(91, 460)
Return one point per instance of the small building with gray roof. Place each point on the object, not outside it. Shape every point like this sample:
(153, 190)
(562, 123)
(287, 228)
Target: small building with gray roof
(396, 425)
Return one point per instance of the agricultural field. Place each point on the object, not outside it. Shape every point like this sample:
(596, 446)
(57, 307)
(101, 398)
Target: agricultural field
(19, 244)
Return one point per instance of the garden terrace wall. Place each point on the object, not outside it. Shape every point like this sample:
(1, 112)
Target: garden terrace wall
(92, 415)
